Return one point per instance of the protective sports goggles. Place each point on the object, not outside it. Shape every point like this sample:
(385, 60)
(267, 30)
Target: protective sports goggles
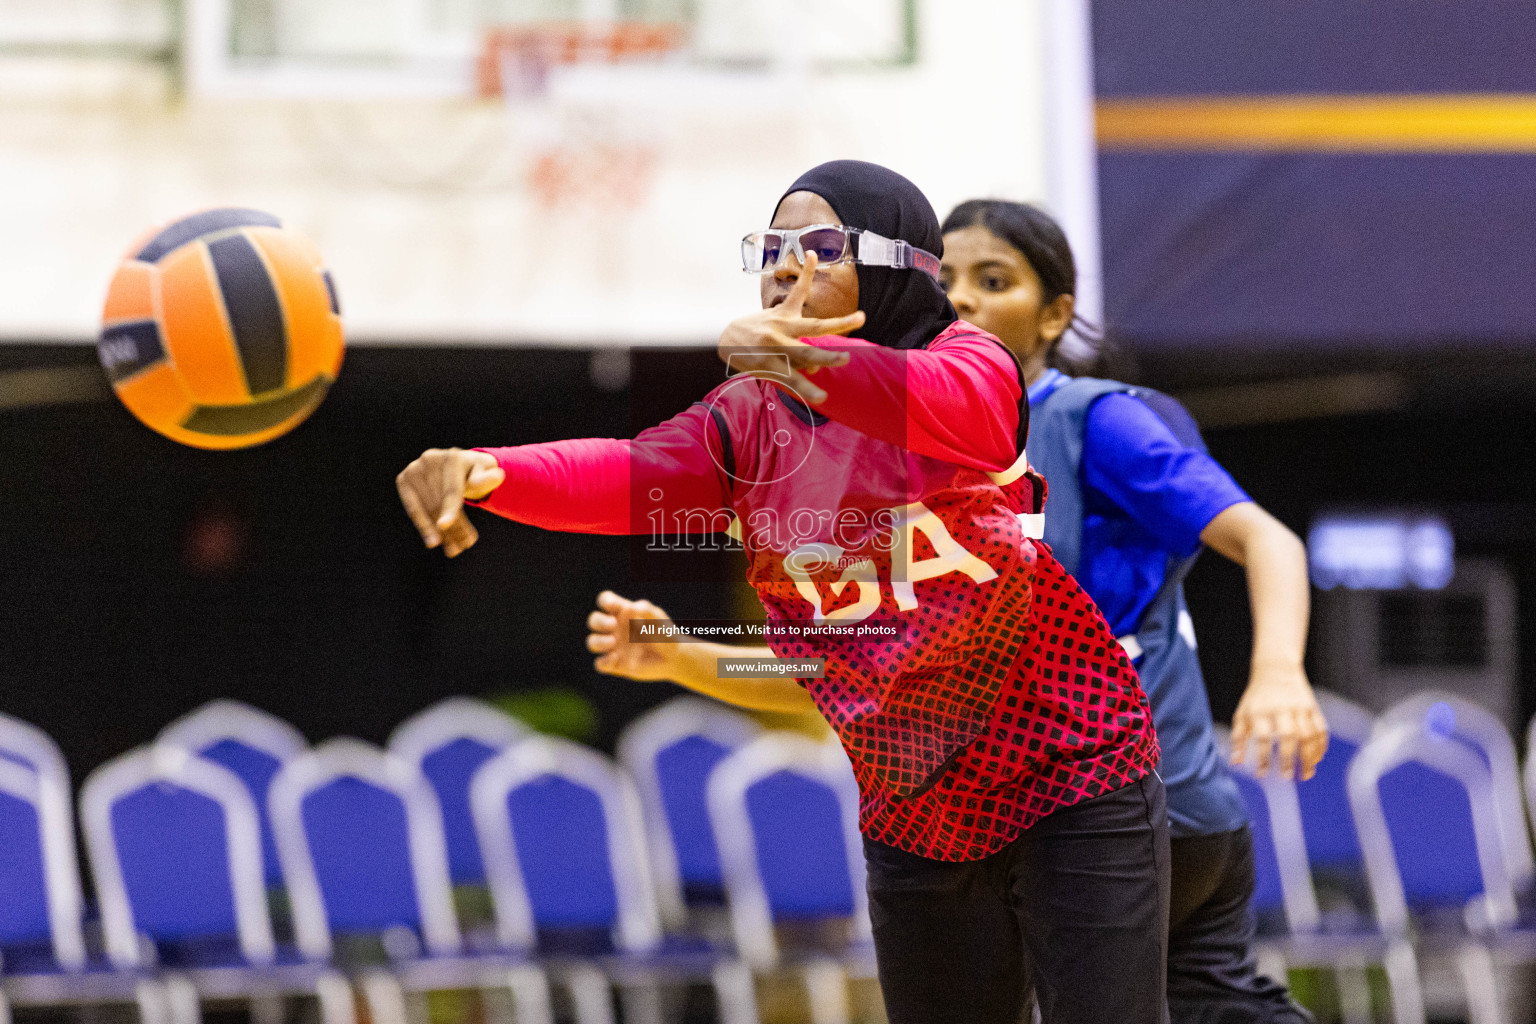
(763, 251)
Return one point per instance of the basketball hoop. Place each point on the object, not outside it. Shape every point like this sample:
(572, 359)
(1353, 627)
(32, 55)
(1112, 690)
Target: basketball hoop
(585, 152)
(516, 60)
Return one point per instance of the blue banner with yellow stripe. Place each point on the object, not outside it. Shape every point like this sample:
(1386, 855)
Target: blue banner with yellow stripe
(1317, 172)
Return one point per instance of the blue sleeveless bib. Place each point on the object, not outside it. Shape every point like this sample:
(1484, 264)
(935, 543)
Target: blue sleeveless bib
(1202, 798)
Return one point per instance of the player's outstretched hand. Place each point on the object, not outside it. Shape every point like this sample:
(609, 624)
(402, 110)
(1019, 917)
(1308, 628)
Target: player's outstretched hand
(618, 655)
(1278, 722)
(433, 489)
(767, 343)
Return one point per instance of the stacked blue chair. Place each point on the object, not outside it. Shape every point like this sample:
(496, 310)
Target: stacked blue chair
(448, 742)
(43, 955)
(561, 835)
(360, 835)
(785, 811)
(1433, 842)
(1284, 891)
(670, 753)
(1457, 718)
(252, 744)
(39, 881)
(175, 845)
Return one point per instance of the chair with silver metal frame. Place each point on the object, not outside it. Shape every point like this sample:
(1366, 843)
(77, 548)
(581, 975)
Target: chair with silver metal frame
(1430, 833)
(670, 752)
(1529, 773)
(1293, 931)
(449, 741)
(45, 907)
(786, 813)
(361, 840)
(175, 851)
(42, 945)
(560, 830)
(1466, 721)
(249, 742)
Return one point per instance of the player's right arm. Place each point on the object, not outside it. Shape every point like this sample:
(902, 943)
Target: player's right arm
(585, 485)
(582, 485)
(683, 660)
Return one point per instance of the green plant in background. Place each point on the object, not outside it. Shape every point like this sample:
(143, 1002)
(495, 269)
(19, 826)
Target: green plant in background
(455, 1007)
(555, 710)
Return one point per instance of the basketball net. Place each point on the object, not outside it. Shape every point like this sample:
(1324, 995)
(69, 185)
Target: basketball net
(579, 153)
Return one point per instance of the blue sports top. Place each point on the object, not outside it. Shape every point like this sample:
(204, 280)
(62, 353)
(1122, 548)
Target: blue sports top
(1146, 497)
(1131, 488)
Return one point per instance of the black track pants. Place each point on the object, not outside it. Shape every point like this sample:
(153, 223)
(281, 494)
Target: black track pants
(1076, 906)
(1212, 976)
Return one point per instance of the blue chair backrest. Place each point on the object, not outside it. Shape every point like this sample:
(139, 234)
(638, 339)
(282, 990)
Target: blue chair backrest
(175, 861)
(1268, 895)
(255, 768)
(1448, 716)
(253, 745)
(23, 882)
(1329, 826)
(563, 851)
(801, 854)
(1430, 819)
(682, 769)
(362, 855)
(450, 768)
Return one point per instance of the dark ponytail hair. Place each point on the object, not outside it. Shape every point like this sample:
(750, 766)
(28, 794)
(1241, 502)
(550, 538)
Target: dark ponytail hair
(1040, 240)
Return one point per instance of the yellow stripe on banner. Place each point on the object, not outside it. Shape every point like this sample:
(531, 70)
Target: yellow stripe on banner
(1344, 124)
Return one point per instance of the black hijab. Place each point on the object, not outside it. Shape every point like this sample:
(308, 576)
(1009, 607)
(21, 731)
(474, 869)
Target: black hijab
(902, 308)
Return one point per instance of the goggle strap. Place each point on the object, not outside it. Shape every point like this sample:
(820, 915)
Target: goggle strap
(878, 251)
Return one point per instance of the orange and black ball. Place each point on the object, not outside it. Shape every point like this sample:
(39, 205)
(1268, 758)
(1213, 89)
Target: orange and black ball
(222, 330)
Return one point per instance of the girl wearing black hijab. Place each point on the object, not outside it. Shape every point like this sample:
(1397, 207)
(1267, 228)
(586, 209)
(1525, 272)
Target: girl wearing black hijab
(1015, 832)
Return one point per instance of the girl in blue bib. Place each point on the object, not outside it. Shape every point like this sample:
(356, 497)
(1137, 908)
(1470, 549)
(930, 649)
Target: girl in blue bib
(1134, 498)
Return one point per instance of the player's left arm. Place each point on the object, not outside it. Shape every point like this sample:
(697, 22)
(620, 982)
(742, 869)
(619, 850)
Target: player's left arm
(684, 660)
(957, 400)
(1278, 711)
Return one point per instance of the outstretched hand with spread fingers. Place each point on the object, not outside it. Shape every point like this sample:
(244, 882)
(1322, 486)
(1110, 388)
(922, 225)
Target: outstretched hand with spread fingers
(1279, 724)
(767, 344)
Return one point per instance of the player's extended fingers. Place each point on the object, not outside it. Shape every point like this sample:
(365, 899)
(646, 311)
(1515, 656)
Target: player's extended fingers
(1314, 742)
(418, 513)
(814, 327)
(459, 536)
(794, 302)
(452, 477)
(602, 622)
(1288, 742)
(601, 643)
(810, 358)
(802, 386)
(1263, 742)
(612, 603)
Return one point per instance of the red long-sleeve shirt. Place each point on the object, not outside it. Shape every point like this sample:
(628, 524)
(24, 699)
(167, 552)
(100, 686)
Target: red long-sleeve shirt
(998, 694)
